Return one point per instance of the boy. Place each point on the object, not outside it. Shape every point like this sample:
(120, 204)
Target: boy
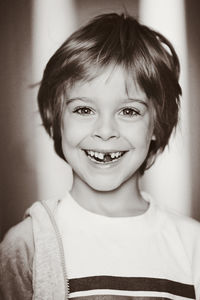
(109, 98)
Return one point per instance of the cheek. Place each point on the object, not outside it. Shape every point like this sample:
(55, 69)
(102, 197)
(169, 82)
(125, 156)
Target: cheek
(139, 134)
(148, 129)
(72, 132)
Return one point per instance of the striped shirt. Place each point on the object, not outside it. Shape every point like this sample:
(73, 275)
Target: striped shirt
(151, 256)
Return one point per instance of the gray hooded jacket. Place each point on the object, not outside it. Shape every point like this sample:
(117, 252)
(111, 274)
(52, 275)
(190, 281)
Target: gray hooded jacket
(32, 264)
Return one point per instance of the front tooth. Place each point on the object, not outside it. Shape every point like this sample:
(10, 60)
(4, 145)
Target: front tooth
(91, 153)
(101, 155)
(96, 154)
(117, 154)
(112, 155)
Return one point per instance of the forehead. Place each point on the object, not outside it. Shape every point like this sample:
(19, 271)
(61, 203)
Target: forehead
(112, 80)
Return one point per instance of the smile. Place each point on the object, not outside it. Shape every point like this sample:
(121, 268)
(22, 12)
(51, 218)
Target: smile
(104, 157)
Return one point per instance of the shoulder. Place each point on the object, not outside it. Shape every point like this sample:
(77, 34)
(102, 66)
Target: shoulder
(170, 220)
(16, 260)
(18, 239)
(183, 234)
(181, 230)
(182, 223)
(18, 244)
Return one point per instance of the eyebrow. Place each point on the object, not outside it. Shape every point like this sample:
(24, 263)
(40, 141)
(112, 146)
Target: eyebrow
(128, 100)
(69, 100)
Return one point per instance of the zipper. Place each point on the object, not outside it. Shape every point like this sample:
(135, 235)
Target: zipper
(61, 249)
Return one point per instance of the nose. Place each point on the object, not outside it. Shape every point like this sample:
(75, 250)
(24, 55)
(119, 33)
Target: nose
(106, 128)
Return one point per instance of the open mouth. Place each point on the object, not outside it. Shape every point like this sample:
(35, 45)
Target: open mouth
(104, 157)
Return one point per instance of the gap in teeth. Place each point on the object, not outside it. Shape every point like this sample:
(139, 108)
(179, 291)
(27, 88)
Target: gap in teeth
(102, 155)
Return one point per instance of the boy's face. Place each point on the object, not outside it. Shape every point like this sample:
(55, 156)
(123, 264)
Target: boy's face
(107, 127)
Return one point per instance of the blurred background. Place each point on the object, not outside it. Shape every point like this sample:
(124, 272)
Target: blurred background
(30, 32)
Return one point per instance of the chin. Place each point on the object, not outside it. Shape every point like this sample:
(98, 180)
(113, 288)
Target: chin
(104, 187)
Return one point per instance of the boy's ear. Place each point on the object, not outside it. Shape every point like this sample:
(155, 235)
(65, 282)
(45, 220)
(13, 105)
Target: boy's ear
(153, 138)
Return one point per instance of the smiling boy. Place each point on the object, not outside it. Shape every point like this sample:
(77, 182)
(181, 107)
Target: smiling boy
(109, 98)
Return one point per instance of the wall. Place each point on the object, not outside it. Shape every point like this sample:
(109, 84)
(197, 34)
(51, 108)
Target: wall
(169, 179)
(18, 182)
(30, 33)
(174, 179)
(193, 43)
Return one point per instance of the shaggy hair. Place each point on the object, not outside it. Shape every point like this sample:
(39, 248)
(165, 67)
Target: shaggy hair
(120, 40)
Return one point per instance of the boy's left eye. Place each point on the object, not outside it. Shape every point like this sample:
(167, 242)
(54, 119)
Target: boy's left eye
(129, 112)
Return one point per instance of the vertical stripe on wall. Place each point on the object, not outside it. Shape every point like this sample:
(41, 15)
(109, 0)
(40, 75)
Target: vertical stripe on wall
(169, 179)
(53, 22)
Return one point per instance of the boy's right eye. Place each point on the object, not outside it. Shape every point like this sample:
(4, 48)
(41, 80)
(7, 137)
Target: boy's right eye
(83, 111)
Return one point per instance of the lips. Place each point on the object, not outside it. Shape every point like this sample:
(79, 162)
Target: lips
(104, 157)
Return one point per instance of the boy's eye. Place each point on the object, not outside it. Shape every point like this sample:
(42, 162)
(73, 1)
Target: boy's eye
(83, 111)
(129, 112)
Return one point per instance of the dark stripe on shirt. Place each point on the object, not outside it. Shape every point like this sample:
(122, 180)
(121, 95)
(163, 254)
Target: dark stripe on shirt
(132, 284)
(114, 297)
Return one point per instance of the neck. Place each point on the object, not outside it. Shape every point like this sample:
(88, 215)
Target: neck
(124, 201)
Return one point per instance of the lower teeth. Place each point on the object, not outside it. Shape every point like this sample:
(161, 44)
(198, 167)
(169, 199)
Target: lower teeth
(107, 158)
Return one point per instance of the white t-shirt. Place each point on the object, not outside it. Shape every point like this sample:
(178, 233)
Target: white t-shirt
(155, 255)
